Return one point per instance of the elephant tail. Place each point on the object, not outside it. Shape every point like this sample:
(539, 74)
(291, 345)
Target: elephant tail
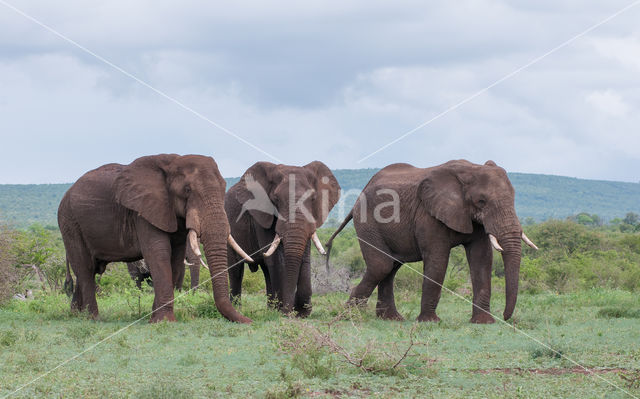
(68, 282)
(330, 242)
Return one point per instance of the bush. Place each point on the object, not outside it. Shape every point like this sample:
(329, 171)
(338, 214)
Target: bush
(10, 276)
(40, 251)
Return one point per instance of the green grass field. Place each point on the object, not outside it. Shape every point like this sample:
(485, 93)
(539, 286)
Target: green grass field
(203, 355)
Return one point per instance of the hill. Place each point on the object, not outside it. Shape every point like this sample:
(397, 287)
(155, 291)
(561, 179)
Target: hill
(540, 197)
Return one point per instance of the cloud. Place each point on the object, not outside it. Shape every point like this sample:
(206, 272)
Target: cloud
(326, 81)
(608, 102)
(625, 50)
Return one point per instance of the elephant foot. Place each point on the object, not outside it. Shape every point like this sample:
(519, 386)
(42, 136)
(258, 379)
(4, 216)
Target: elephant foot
(429, 317)
(482, 318)
(303, 311)
(388, 313)
(160, 316)
(243, 319)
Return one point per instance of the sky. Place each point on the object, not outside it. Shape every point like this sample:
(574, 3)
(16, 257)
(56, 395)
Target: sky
(292, 82)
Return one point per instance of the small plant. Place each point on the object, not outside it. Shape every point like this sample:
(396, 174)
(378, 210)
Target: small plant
(80, 333)
(312, 350)
(619, 313)
(551, 351)
(290, 390)
(8, 338)
(632, 380)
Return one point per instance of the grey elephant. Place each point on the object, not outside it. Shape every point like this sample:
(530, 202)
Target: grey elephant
(148, 209)
(274, 211)
(408, 214)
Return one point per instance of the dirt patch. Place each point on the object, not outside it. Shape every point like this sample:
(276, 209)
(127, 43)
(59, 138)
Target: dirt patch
(555, 371)
(323, 282)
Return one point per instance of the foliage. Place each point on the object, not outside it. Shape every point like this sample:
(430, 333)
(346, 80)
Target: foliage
(10, 276)
(41, 250)
(539, 197)
(315, 350)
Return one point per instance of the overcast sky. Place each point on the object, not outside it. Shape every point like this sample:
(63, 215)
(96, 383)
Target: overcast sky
(332, 81)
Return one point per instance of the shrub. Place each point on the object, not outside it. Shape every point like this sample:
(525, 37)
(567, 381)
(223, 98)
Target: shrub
(10, 276)
(40, 250)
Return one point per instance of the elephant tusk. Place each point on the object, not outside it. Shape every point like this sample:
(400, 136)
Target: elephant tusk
(528, 241)
(274, 245)
(318, 244)
(186, 262)
(239, 250)
(204, 265)
(494, 243)
(193, 242)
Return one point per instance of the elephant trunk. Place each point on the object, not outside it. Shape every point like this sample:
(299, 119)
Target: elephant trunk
(505, 226)
(511, 255)
(214, 234)
(295, 244)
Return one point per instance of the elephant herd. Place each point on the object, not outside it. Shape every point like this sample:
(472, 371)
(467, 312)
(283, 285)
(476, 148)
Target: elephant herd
(162, 207)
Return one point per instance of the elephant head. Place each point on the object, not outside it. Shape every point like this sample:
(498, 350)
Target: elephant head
(174, 193)
(461, 194)
(294, 201)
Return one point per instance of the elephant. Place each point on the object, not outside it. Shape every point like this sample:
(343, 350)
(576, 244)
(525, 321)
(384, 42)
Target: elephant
(139, 271)
(431, 211)
(273, 204)
(148, 209)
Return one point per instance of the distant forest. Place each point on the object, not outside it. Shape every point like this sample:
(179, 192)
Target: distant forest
(538, 198)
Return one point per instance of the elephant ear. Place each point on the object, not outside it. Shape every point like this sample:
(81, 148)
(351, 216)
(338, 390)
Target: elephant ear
(142, 187)
(253, 193)
(327, 191)
(441, 192)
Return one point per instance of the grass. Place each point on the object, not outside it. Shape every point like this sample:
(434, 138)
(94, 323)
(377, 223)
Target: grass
(203, 355)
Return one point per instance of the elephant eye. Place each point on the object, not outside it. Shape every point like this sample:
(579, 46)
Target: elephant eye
(481, 203)
(187, 190)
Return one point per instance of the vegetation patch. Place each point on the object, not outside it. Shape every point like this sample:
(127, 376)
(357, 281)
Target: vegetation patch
(619, 313)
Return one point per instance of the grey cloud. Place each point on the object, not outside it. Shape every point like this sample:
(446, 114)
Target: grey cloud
(309, 81)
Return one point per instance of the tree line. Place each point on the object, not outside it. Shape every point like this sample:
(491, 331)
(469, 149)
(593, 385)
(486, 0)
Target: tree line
(579, 252)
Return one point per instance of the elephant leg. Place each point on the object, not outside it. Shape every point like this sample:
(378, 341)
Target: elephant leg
(386, 306)
(272, 301)
(236, 274)
(84, 267)
(194, 274)
(156, 249)
(177, 265)
(273, 269)
(379, 266)
(480, 258)
(302, 304)
(435, 268)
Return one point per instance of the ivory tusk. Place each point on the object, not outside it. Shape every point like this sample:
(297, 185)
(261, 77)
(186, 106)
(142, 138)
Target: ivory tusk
(494, 243)
(528, 241)
(186, 262)
(274, 245)
(204, 265)
(193, 242)
(318, 244)
(239, 250)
